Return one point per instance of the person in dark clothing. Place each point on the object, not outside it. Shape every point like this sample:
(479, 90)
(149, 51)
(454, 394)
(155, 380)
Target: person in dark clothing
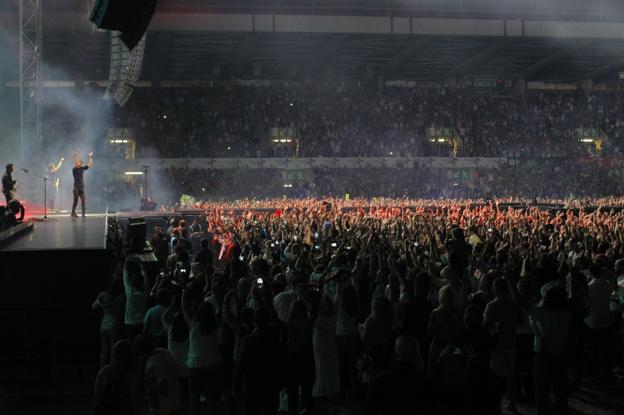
(458, 250)
(204, 256)
(160, 243)
(236, 268)
(483, 389)
(78, 172)
(300, 370)
(8, 184)
(260, 356)
(550, 321)
(422, 309)
(402, 388)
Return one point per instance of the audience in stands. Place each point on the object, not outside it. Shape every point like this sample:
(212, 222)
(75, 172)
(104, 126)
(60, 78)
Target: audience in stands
(333, 120)
(572, 181)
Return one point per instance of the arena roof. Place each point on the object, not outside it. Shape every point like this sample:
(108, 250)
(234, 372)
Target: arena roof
(600, 10)
(184, 43)
(348, 57)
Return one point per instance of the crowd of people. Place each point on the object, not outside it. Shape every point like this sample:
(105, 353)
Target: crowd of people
(331, 120)
(462, 307)
(546, 179)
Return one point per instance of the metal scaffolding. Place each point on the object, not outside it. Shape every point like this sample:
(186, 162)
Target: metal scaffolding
(31, 89)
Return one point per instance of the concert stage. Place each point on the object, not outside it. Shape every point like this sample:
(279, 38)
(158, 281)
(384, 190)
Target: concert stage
(50, 277)
(62, 232)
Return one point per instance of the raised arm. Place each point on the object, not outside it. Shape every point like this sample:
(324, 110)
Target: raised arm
(58, 166)
(126, 275)
(167, 317)
(90, 162)
(186, 311)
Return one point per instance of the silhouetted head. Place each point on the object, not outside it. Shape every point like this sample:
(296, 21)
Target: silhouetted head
(261, 317)
(206, 318)
(122, 357)
(473, 317)
(500, 288)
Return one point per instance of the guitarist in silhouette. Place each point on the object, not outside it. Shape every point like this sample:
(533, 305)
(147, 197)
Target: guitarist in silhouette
(8, 184)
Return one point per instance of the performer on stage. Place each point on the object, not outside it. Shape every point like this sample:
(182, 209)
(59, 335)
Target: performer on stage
(55, 180)
(78, 172)
(8, 184)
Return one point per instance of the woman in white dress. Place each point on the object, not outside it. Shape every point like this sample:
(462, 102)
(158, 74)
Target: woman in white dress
(327, 381)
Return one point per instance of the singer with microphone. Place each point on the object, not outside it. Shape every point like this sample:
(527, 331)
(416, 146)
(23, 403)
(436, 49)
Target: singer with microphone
(79, 191)
(8, 184)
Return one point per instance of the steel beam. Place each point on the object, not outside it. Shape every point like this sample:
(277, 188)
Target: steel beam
(31, 90)
(551, 59)
(326, 52)
(598, 73)
(243, 54)
(476, 60)
(389, 68)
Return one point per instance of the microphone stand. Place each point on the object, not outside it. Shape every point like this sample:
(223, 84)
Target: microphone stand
(45, 193)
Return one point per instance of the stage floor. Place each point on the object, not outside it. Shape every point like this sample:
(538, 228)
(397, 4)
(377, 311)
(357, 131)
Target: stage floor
(62, 232)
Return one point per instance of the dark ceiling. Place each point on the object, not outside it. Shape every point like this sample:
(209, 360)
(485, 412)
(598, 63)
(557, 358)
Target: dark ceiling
(182, 55)
(571, 9)
(279, 56)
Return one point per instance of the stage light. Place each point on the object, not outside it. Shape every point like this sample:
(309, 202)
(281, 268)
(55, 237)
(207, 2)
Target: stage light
(587, 140)
(441, 140)
(133, 173)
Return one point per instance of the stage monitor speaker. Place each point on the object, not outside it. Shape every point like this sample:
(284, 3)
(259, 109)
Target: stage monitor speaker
(130, 17)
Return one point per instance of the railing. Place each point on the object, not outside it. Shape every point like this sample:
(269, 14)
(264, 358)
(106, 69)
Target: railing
(584, 10)
(283, 163)
(601, 10)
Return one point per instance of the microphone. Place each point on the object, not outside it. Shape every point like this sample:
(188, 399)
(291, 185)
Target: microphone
(24, 170)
